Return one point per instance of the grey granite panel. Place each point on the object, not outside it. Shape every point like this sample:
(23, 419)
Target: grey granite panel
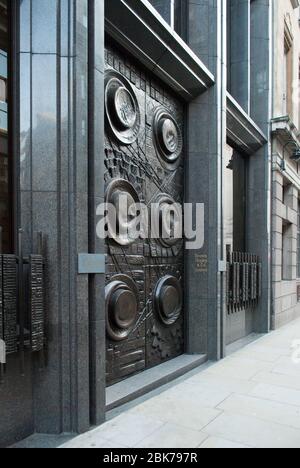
(260, 167)
(98, 176)
(81, 126)
(65, 144)
(44, 26)
(25, 122)
(25, 26)
(47, 385)
(206, 121)
(199, 29)
(26, 220)
(149, 380)
(164, 8)
(65, 311)
(64, 27)
(44, 122)
(16, 403)
(239, 54)
(99, 35)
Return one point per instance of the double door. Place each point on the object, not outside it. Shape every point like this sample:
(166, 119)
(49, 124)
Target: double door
(143, 167)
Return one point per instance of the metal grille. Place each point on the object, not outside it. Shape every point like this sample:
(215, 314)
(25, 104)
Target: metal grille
(22, 309)
(243, 281)
(37, 313)
(9, 301)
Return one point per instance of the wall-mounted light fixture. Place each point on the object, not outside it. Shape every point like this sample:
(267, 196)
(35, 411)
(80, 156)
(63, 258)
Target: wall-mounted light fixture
(295, 156)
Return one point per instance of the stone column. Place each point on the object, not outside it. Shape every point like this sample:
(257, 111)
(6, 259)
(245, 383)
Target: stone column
(54, 198)
(239, 66)
(206, 139)
(259, 194)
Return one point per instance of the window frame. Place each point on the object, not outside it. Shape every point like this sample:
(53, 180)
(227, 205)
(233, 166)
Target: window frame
(11, 126)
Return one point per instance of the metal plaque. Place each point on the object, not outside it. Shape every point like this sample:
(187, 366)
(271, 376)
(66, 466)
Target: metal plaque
(91, 264)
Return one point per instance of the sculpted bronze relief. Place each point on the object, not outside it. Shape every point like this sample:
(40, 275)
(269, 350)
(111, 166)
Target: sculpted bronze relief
(123, 197)
(122, 304)
(167, 223)
(168, 300)
(143, 164)
(122, 109)
(167, 138)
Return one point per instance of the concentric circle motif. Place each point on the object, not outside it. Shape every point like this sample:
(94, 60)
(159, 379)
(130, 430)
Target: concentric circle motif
(122, 109)
(168, 139)
(168, 300)
(121, 224)
(167, 221)
(122, 307)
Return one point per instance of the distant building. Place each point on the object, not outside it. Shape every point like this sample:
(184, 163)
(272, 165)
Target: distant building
(285, 127)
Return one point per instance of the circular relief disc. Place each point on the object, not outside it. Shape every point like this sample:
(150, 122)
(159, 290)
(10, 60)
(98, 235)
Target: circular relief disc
(168, 139)
(121, 107)
(122, 306)
(122, 196)
(125, 108)
(168, 300)
(167, 221)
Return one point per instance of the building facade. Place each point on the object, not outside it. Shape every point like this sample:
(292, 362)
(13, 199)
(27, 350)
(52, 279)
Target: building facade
(160, 101)
(285, 170)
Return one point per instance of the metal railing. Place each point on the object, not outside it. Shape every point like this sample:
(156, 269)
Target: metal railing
(244, 274)
(22, 304)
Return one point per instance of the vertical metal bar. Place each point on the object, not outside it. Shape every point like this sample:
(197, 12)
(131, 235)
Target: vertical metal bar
(9, 294)
(231, 283)
(40, 251)
(236, 274)
(21, 302)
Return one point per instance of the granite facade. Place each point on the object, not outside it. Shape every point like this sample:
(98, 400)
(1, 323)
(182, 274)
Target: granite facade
(60, 136)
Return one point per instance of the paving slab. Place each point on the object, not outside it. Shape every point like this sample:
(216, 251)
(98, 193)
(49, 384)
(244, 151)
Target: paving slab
(251, 399)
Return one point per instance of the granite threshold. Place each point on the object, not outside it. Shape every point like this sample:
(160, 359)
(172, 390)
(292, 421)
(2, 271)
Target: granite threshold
(139, 385)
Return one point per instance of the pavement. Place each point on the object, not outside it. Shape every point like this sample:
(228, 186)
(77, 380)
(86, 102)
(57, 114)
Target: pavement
(251, 399)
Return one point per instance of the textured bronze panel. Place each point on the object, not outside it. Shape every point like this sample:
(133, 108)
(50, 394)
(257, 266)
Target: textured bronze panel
(127, 356)
(163, 341)
(10, 302)
(144, 147)
(37, 311)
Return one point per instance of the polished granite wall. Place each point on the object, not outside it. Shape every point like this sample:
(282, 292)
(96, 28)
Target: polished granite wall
(56, 197)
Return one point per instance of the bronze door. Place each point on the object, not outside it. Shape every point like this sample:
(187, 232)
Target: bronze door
(144, 164)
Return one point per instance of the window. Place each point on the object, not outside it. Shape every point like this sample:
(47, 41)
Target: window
(173, 12)
(180, 15)
(235, 186)
(5, 156)
(288, 73)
